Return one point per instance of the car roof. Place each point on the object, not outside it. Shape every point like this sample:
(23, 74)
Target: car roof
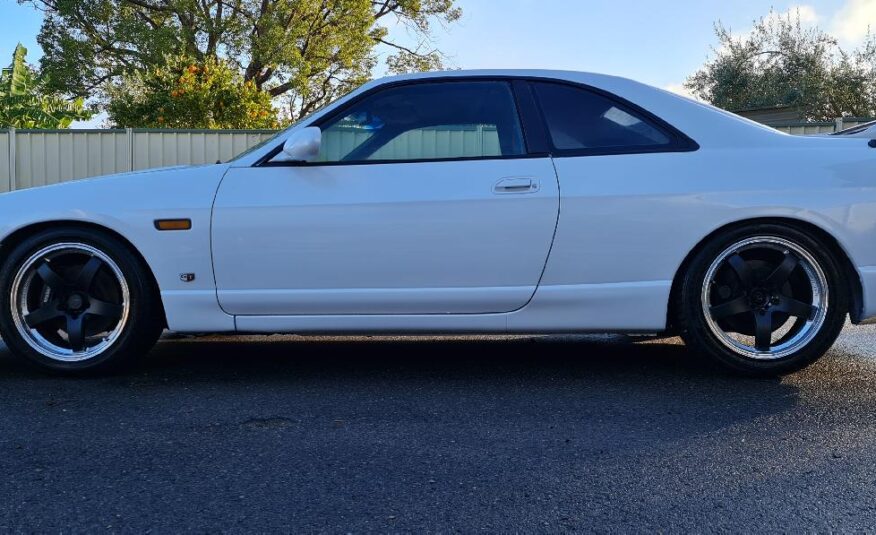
(548, 73)
(574, 76)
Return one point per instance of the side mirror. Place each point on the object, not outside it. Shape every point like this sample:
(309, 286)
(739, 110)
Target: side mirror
(302, 146)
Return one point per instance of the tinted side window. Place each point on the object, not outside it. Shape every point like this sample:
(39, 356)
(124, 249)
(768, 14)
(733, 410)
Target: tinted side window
(579, 119)
(427, 121)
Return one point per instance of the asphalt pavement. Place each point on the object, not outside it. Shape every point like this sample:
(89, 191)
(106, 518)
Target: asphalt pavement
(528, 434)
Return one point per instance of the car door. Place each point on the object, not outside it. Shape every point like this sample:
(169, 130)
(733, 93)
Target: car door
(425, 200)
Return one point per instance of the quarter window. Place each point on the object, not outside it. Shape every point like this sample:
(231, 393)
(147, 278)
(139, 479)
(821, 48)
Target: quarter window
(578, 119)
(426, 121)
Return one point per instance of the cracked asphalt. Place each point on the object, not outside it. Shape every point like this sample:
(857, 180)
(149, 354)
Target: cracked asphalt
(530, 434)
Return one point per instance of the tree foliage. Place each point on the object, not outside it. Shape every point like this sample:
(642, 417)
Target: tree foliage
(24, 102)
(307, 51)
(782, 63)
(185, 94)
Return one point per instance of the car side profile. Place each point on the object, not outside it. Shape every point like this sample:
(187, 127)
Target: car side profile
(462, 202)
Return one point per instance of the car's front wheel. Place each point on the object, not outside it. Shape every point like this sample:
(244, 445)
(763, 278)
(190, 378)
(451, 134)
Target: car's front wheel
(77, 300)
(763, 299)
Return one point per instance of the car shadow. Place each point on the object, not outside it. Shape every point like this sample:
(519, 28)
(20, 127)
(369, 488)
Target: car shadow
(598, 379)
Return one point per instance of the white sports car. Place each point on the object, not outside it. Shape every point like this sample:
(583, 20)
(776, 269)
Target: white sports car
(463, 202)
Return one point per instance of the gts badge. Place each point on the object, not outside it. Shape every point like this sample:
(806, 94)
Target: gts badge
(187, 277)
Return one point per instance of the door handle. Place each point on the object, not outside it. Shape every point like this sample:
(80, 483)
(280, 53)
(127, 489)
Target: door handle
(516, 185)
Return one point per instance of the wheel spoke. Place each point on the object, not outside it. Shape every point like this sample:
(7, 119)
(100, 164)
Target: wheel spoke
(731, 308)
(763, 331)
(780, 276)
(104, 309)
(52, 279)
(48, 312)
(76, 332)
(86, 275)
(795, 308)
(740, 266)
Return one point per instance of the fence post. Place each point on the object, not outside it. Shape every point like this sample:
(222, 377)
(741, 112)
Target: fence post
(12, 165)
(129, 133)
(838, 125)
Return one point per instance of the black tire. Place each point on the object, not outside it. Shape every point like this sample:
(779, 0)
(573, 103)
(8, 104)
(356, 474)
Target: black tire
(691, 314)
(144, 319)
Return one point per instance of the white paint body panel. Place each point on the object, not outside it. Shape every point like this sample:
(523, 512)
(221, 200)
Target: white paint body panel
(431, 249)
(129, 204)
(408, 238)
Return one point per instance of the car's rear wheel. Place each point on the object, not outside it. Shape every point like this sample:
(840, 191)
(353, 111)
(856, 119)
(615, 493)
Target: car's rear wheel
(77, 300)
(763, 300)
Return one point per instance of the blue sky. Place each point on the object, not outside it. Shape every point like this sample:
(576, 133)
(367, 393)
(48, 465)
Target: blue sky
(657, 42)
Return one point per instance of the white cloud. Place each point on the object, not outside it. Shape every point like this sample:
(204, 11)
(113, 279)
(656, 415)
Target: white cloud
(853, 20)
(807, 14)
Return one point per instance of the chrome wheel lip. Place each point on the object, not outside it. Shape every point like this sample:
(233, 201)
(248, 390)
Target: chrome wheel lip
(19, 308)
(820, 299)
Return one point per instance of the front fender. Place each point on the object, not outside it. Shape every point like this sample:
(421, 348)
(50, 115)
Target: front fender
(129, 205)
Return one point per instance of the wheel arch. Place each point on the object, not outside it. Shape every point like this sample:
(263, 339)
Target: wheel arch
(21, 234)
(855, 287)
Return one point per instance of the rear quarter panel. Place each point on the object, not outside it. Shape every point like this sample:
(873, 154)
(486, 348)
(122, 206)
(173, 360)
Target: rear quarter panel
(629, 219)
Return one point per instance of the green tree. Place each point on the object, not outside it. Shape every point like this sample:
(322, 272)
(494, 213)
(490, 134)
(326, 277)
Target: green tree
(24, 102)
(782, 63)
(184, 94)
(306, 51)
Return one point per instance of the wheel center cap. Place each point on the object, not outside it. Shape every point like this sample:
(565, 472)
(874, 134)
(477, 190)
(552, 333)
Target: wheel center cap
(759, 298)
(75, 302)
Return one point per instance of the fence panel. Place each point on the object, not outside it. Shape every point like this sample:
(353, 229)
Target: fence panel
(810, 128)
(30, 158)
(50, 156)
(5, 171)
(845, 123)
(161, 148)
(806, 129)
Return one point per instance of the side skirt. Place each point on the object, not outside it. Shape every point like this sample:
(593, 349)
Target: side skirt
(638, 307)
